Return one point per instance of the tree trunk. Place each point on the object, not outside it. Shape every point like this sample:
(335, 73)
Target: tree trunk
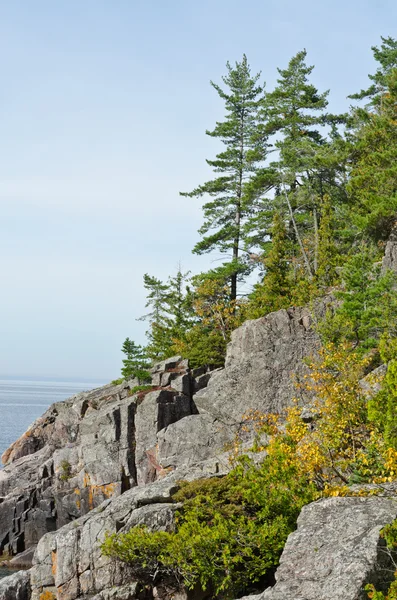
(316, 239)
(298, 237)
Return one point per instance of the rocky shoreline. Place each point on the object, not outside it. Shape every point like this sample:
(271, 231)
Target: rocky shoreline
(106, 460)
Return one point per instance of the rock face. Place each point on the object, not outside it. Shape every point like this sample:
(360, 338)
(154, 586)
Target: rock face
(262, 361)
(94, 446)
(106, 460)
(335, 551)
(16, 586)
(390, 257)
(69, 562)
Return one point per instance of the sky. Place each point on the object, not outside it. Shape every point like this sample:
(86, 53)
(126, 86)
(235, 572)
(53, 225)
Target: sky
(103, 111)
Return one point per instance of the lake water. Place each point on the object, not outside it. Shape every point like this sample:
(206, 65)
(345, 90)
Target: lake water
(22, 400)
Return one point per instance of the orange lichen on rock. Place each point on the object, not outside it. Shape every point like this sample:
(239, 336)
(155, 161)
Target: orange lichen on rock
(107, 490)
(47, 595)
(54, 563)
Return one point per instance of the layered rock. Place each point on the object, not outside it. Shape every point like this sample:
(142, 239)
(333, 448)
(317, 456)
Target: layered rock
(69, 562)
(94, 446)
(96, 462)
(335, 551)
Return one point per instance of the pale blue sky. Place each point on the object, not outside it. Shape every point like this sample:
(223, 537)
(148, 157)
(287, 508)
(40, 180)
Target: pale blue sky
(104, 106)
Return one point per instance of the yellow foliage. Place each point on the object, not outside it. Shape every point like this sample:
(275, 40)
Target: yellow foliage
(342, 447)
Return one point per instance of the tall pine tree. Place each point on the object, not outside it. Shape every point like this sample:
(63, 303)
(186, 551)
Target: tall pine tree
(245, 150)
(295, 114)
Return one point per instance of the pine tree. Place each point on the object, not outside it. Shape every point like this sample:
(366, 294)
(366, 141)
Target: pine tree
(245, 150)
(369, 306)
(180, 304)
(306, 168)
(386, 56)
(326, 274)
(159, 335)
(136, 364)
(373, 181)
(216, 316)
(274, 292)
(295, 109)
(171, 313)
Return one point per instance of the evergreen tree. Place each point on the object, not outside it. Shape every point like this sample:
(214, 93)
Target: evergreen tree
(386, 56)
(295, 109)
(373, 182)
(274, 292)
(307, 166)
(369, 303)
(180, 304)
(171, 314)
(159, 334)
(215, 317)
(327, 251)
(136, 364)
(245, 149)
(382, 408)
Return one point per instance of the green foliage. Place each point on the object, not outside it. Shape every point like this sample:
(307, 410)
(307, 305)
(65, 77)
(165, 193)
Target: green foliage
(171, 313)
(382, 409)
(373, 180)
(369, 304)
(327, 258)
(230, 193)
(216, 316)
(139, 388)
(386, 57)
(275, 290)
(66, 470)
(229, 533)
(135, 365)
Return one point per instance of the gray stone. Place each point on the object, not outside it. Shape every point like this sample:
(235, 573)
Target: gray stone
(122, 592)
(371, 384)
(390, 257)
(335, 551)
(16, 586)
(156, 410)
(71, 560)
(191, 440)
(94, 446)
(263, 359)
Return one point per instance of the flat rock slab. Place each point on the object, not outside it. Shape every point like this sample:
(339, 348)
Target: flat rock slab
(335, 551)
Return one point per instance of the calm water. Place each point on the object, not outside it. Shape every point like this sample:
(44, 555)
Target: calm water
(23, 400)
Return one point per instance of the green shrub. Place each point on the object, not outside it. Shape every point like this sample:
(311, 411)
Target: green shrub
(66, 470)
(229, 534)
(140, 388)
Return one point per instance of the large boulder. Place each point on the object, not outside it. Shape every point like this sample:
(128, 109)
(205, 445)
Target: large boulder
(70, 562)
(16, 586)
(264, 361)
(335, 551)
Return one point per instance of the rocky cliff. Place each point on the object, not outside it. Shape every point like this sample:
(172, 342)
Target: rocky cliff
(106, 460)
